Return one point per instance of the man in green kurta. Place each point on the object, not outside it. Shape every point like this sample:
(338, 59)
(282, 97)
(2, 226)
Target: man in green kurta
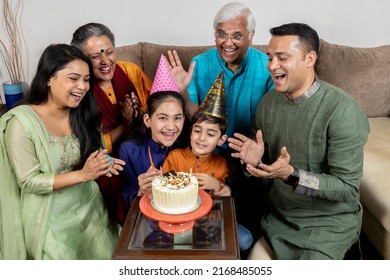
(310, 137)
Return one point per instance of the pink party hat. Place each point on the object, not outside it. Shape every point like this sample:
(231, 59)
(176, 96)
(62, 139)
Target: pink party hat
(163, 80)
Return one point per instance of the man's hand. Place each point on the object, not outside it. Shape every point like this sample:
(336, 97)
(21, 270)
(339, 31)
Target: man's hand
(181, 76)
(281, 168)
(248, 150)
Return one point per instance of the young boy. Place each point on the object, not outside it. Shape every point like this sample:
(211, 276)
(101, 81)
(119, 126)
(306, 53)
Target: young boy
(211, 169)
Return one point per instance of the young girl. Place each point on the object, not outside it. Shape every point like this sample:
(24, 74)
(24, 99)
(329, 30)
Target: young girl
(163, 123)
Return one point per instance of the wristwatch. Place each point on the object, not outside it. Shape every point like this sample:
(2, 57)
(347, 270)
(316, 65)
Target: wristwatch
(293, 179)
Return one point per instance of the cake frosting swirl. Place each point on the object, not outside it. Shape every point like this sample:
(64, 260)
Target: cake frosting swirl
(175, 193)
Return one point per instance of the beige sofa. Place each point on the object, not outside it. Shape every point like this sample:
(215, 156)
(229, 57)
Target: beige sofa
(363, 73)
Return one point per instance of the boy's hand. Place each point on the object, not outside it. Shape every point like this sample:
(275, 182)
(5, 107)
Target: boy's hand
(207, 182)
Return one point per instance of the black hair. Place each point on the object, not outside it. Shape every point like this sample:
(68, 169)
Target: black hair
(156, 99)
(200, 117)
(85, 119)
(139, 129)
(307, 35)
(88, 30)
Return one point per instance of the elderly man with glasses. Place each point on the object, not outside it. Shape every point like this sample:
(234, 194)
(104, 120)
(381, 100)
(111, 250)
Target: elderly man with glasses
(246, 76)
(246, 80)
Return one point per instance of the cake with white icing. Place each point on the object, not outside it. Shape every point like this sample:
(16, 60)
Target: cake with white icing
(175, 193)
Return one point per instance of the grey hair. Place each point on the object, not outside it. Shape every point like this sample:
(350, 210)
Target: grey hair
(232, 10)
(89, 30)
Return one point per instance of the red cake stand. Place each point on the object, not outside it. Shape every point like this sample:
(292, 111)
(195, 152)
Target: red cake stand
(176, 223)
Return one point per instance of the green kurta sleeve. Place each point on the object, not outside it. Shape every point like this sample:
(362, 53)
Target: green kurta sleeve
(32, 176)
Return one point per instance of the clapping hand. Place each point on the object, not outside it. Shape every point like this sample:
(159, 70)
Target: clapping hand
(281, 168)
(251, 152)
(136, 105)
(248, 150)
(99, 163)
(130, 108)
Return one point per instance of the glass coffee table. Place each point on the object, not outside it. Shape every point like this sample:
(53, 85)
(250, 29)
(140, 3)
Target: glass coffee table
(213, 236)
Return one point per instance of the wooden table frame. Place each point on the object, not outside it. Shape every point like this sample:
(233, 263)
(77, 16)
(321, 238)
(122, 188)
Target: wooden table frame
(230, 252)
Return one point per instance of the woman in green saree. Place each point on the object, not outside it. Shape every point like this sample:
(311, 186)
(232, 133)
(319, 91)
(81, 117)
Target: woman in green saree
(51, 151)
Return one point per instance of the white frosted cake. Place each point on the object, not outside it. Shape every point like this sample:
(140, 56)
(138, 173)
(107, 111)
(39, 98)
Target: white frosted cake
(175, 193)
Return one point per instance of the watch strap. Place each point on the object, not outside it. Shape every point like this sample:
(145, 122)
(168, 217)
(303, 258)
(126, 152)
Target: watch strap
(293, 178)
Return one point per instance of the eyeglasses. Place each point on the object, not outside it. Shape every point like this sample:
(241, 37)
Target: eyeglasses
(236, 37)
(99, 55)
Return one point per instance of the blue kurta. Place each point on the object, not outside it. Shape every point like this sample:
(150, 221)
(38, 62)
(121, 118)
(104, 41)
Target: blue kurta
(135, 154)
(243, 89)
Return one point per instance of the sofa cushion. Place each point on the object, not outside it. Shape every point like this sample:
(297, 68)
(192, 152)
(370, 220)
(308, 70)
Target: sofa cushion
(131, 53)
(362, 72)
(375, 183)
(262, 48)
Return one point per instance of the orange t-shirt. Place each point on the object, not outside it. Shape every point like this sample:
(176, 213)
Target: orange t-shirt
(184, 160)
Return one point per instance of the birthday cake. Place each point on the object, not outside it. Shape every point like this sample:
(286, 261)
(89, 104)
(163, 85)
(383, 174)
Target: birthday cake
(175, 193)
